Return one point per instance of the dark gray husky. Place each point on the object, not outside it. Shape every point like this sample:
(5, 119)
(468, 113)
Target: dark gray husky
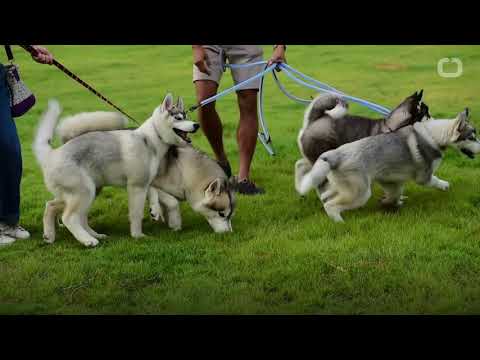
(327, 125)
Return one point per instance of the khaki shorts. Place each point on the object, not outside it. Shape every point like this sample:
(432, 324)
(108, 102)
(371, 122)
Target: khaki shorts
(235, 54)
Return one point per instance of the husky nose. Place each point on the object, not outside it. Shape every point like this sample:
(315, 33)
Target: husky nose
(196, 127)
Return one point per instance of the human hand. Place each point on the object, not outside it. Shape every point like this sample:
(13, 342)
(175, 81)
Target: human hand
(42, 56)
(278, 55)
(200, 59)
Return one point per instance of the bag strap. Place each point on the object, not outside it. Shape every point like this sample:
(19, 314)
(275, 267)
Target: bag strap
(8, 50)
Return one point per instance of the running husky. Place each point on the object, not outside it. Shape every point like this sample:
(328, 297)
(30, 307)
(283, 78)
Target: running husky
(185, 174)
(411, 153)
(76, 171)
(327, 125)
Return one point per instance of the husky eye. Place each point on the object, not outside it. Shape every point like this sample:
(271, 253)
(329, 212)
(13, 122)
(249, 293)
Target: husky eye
(221, 214)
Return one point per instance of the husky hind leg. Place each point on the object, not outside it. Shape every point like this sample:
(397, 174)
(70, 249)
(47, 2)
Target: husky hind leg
(52, 209)
(353, 192)
(76, 208)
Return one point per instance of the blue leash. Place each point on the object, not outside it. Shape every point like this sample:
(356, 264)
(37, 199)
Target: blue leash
(296, 76)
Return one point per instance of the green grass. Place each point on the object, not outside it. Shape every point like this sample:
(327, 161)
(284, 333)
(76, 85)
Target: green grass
(285, 256)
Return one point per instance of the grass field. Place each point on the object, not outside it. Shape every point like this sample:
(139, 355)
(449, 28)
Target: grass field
(285, 256)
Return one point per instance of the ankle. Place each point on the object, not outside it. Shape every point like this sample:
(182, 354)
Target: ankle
(243, 176)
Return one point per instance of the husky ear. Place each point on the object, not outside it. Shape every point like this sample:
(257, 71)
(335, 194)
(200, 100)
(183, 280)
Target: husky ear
(215, 187)
(460, 123)
(419, 95)
(424, 112)
(180, 104)
(167, 102)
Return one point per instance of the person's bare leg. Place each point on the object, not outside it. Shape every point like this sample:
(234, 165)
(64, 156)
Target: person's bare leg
(247, 130)
(209, 119)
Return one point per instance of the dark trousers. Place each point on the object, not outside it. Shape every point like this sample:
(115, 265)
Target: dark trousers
(10, 159)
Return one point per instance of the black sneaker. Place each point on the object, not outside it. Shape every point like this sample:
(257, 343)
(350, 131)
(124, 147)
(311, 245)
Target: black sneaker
(226, 167)
(247, 187)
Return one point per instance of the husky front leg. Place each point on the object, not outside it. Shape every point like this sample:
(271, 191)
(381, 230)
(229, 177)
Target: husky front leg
(92, 232)
(392, 194)
(174, 218)
(438, 183)
(156, 210)
(136, 204)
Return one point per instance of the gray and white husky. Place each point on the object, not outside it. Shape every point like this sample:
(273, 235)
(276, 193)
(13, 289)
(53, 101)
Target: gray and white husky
(185, 174)
(327, 125)
(411, 153)
(76, 171)
(188, 174)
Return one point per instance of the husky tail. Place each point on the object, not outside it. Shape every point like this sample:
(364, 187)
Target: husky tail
(310, 178)
(325, 104)
(76, 125)
(45, 132)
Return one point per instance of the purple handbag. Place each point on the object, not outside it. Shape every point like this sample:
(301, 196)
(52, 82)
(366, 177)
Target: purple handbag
(21, 98)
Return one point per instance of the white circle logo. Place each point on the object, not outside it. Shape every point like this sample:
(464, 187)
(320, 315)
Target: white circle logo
(449, 74)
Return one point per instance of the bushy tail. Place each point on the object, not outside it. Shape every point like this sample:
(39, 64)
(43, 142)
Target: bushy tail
(76, 125)
(313, 178)
(324, 104)
(45, 131)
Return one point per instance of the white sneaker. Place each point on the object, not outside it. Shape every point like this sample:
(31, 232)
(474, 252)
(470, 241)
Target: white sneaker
(16, 232)
(5, 240)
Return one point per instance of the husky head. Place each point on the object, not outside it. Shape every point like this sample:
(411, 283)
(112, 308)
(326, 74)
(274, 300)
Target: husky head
(408, 112)
(218, 205)
(464, 135)
(171, 124)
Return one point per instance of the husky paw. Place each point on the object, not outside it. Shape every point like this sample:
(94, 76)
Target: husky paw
(156, 214)
(90, 242)
(337, 219)
(334, 215)
(392, 202)
(443, 185)
(49, 238)
(139, 235)
(175, 224)
(101, 236)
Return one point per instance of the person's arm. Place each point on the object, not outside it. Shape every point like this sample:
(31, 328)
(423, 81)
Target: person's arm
(200, 59)
(43, 56)
(278, 54)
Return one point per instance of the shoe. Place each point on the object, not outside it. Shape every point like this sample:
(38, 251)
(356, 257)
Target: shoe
(16, 232)
(247, 187)
(226, 167)
(6, 240)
